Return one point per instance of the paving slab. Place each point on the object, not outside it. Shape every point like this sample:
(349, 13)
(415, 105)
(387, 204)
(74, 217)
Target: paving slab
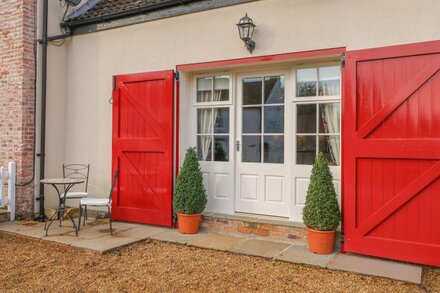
(14, 227)
(173, 235)
(123, 225)
(261, 248)
(105, 243)
(90, 232)
(62, 239)
(216, 241)
(377, 267)
(141, 232)
(301, 255)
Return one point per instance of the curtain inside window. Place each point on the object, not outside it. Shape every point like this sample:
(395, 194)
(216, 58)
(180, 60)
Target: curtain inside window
(206, 127)
(330, 116)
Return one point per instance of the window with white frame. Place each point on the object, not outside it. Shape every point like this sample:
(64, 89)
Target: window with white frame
(318, 114)
(213, 118)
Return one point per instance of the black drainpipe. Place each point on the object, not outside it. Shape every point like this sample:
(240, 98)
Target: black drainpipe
(43, 42)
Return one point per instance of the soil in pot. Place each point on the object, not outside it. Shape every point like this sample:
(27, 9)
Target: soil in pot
(189, 224)
(321, 242)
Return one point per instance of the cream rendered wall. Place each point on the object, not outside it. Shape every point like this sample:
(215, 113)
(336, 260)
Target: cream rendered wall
(282, 26)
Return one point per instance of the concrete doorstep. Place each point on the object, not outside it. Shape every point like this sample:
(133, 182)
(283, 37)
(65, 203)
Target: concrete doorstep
(97, 237)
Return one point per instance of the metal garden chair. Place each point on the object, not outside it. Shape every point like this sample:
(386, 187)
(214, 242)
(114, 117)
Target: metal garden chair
(99, 202)
(77, 171)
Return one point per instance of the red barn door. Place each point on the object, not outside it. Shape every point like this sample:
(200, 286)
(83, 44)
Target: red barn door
(391, 152)
(143, 147)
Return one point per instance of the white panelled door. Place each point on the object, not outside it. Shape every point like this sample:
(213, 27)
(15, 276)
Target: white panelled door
(262, 172)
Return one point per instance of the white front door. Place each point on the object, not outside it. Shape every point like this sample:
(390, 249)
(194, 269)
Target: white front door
(262, 172)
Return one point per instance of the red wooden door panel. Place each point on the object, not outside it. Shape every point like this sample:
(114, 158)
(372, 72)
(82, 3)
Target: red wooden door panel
(391, 152)
(143, 147)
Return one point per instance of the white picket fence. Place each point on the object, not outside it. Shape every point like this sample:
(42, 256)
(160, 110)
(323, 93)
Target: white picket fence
(7, 177)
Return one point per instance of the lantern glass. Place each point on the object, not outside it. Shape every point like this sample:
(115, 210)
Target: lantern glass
(246, 28)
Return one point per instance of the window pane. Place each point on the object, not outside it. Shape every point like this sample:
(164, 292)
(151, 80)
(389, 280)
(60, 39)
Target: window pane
(305, 149)
(204, 120)
(274, 119)
(252, 120)
(221, 88)
(221, 120)
(329, 118)
(252, 88)
(330, 145)
(204, 143)
(251, 148)
(274, 90)
(221, 148)
(274, 148)
(329, 81)
(204, 89)
(306, 80)
(306, 118)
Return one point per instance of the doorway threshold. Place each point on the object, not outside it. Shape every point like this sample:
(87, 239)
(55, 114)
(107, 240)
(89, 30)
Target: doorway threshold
(258, 225)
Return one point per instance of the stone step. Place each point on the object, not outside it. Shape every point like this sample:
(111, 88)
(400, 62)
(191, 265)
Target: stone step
(4, 215)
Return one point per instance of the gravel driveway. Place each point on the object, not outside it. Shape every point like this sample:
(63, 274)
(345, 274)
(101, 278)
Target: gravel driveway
(29, 265)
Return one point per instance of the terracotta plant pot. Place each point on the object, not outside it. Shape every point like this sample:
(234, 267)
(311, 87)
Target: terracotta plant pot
(321, 242)
(189, 224)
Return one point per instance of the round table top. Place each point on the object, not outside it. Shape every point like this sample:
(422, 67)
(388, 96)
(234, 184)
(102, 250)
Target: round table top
(61, 181)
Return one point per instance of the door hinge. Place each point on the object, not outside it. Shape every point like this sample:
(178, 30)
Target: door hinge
(343, 59)
(114, 83)
(177, 75)
(238, 145)
(342, 238)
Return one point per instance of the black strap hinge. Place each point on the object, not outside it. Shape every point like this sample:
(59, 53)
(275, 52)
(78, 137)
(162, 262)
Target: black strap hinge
(177, 75)
(343, 59)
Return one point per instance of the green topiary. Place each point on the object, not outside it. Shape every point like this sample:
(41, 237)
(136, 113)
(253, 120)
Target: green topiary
(190, 195)
(321, 211)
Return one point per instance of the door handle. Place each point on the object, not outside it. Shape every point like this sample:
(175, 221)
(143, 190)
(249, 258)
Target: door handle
(237, 144)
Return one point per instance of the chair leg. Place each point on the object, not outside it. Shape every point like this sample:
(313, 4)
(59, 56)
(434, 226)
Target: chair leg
(79, 217)
(110, 219)
(84, 221)
(87, 217)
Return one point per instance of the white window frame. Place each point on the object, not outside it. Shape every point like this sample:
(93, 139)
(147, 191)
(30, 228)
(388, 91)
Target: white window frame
(212, 103)
(316, 100)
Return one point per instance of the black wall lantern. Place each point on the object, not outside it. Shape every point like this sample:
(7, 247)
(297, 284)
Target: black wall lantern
(246, 29)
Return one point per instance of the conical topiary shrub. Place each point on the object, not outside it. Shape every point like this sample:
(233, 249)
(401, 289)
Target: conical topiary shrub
(321, 211)
(190, 195)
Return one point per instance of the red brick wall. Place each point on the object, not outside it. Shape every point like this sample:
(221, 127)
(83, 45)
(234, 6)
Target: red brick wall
(17, 65)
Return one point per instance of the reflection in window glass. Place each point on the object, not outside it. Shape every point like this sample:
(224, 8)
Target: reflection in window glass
(306, 118)
(252, 120)
(204, 143)
(329, 145)
(204, 120)
(221, 148)
(252, 91)
(274, 90)
(329, 81)
(204, 89)
(329, 118)
(274, 119)
(221, 88)
(274, 149)
(305, 149)
(251, 148)
(221, 120)
(306, 80)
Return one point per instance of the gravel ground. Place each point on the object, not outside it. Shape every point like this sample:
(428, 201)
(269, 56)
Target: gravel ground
(33, 265)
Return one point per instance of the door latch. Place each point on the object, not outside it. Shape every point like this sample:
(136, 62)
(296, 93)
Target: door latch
(237, 144)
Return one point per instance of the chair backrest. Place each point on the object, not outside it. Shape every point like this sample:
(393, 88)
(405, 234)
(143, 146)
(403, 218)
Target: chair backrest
(115, 177)
(77, 171)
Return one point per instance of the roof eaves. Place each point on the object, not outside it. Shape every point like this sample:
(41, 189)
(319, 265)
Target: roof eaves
(83, 9)
(126, 13)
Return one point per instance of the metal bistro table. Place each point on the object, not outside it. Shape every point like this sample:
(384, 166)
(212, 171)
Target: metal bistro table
(68, 183)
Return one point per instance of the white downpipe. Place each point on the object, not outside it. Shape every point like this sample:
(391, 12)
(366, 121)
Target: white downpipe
(8, 200)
